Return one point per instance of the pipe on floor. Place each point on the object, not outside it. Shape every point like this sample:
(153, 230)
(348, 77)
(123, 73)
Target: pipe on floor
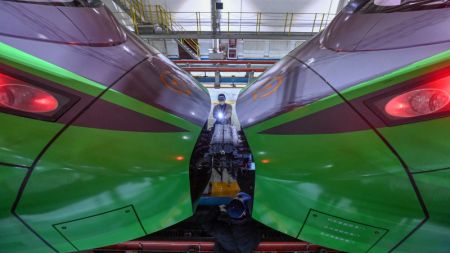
(208, 246)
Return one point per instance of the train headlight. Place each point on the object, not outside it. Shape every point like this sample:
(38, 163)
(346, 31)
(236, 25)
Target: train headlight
(422, 98)
(37, 101)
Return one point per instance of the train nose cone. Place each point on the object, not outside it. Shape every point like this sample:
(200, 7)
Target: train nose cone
(129, 151)
(322, 162)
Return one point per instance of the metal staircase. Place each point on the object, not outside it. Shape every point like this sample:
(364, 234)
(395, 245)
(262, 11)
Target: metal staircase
(188, 49)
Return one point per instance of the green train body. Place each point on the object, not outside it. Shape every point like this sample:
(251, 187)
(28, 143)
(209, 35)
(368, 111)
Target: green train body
(340, 161)
(110, 165)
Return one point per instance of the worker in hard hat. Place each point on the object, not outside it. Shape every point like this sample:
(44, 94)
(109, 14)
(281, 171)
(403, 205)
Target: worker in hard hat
(222, 111)
(232, 226)
(239, 207)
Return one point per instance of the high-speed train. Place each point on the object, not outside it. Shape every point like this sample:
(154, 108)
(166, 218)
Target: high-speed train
(349, 132)
(97, 130)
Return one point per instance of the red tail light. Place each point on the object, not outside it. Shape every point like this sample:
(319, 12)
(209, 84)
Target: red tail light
(24, 99)
(427, 97)
(27, 98)
(417, 103)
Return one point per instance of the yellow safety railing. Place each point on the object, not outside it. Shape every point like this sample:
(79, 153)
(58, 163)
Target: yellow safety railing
(136, 9)
(166, 21)
(142, 12)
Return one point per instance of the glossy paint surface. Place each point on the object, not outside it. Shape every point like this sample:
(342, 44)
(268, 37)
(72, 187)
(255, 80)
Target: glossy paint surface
(59, 24)
(14, 236)
(354, 174)
(29, 137)
(423, 145)
(160, 83)
(25, 138)
(109, 169)
(422, 142)
(351, 175)
(89, 231)
(382, 31)
(436, 232)
(104, 170)
(344, 70)
(285, 86)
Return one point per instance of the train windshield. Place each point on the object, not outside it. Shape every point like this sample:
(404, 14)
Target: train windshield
(71, 3)
(387, 6)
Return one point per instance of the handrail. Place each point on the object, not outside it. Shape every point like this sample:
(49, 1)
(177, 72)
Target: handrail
(171, 26)
(245, 12)
(180, 21)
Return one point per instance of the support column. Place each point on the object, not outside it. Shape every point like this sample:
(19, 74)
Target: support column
(216, 12)
(217, 80)
(214, 26)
